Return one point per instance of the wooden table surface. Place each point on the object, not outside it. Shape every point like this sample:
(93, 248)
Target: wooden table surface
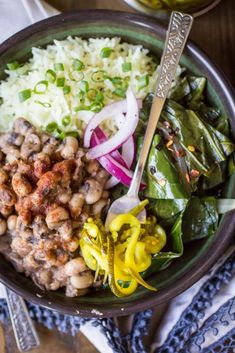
(214, 33)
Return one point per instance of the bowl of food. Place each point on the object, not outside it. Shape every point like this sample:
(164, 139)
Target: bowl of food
(69, 87)
(162, 9)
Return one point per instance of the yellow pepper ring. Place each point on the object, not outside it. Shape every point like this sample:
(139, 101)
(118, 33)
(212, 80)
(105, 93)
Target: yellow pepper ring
(142, 258)
(89, 259)
(130, 289)
(122, 219)
(130, 260)
(153, 244)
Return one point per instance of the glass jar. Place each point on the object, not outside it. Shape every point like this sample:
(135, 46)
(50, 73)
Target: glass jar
(181, 5)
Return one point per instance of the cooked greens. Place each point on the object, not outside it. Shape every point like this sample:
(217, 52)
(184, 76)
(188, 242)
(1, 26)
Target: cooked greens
(190, 157)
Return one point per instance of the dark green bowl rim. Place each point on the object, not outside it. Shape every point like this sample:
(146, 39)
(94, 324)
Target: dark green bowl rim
(225, 232)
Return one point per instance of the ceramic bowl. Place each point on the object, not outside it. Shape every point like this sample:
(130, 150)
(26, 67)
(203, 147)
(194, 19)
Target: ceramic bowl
(198, 256)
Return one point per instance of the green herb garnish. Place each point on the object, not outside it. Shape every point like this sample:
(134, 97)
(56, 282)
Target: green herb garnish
(24, 95)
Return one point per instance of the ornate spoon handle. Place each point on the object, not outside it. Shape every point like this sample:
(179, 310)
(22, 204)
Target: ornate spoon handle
(25, 334)
(177, 34)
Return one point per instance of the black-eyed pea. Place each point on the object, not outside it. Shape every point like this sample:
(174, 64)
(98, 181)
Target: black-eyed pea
(11, 222)
(75, 266)
(83, 280)
(69, 147)
(93, 191)
(98, 207)
(22, 126)
(92, 167)
(56, 216)
(7, 196)
(12, 154)
(6, 210)
(73, 244)
(21, 185)
(76, 204)
(3, 226)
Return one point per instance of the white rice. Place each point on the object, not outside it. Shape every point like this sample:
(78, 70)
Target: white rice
(65, 51)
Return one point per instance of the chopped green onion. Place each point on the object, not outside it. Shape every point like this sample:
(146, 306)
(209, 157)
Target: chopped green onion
(44, 104)
(116, 81)
(143, 81)
(51, 127)
(99, 97)
(96, 107)
(126, 67)
(95, 95)
(120, 92)
(41, 87)
(13, 66)
(91, 94)
(78, 65)
(105, 53)
(60, 82)
(84, 86)
(66, 89)
(24, 95)
(98, 76)
(58, 67)
(81, 96)
(76, 76)
(109, 94)
(60, 134)
(51, 75)
(1, 100)
(81, 107)
(72, 133)
(66, 120)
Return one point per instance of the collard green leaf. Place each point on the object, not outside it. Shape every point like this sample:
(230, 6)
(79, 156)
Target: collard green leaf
(211, 146)
(192, 131)
(216, 176)
(162, 176)
(197, 86)
(200, 218)
(199, 215)
(165, 209)
(189, 91)
(205, 150)
(180, 90)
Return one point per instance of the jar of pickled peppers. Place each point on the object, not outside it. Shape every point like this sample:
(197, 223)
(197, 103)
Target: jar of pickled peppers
(162, 8)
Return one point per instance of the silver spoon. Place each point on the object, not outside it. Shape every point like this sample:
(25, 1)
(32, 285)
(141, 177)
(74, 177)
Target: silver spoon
(177, 35)
(25, 333)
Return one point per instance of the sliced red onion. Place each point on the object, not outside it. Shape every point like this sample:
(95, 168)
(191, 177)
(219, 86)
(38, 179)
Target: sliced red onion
(116, 108)
(128, 151)
(109, 110)
(121, 173)
(126, 159)
(98, 137)
(128, 128)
